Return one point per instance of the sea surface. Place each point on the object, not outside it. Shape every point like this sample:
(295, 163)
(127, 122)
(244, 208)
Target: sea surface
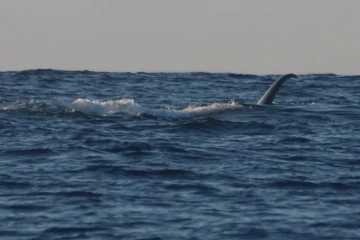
(106, 155)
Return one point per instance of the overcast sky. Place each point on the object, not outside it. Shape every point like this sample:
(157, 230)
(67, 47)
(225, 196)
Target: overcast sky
(240, 36)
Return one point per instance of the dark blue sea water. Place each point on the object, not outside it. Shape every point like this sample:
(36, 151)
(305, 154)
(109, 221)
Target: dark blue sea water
(100, 155)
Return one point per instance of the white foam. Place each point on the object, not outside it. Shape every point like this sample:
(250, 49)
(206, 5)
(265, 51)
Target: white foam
(128, 106)
(12, 105)
(102, 108)
(120, 106)
(212, 108)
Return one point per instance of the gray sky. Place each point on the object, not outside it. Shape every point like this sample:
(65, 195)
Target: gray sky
(242, 36)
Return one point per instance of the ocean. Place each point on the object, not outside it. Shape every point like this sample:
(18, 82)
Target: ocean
(107, 155)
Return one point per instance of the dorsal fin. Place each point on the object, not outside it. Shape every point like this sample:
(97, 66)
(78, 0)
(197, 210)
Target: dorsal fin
(270, 94)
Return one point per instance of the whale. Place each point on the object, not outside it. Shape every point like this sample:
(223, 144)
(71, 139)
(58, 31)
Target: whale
(270, 94)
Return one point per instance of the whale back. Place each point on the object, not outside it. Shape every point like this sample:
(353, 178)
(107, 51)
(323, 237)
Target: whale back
(270, 94)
